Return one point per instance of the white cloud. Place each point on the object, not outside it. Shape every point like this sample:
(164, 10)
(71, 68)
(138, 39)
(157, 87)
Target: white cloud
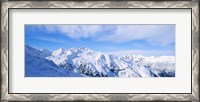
(154, 34)
(130, 32)
(75, 31)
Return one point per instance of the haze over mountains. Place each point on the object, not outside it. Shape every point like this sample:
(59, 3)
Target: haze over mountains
(84, 62)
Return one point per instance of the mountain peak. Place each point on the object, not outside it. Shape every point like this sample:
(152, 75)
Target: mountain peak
(33, 51)
(60, 51)
(84, 48)
(72, 49)
(45, 50)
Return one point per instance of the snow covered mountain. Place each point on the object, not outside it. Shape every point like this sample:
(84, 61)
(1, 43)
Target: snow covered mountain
(86, 62)
(37, 66)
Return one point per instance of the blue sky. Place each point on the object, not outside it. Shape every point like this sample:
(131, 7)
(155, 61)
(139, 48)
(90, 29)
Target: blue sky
(135, 39)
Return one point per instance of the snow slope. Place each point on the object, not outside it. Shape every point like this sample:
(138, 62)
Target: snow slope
(37, 66)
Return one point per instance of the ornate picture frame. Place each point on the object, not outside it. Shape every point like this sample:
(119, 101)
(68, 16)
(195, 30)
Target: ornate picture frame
(6, 96)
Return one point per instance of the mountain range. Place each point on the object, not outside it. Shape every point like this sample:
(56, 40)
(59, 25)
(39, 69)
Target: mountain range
(84, 62)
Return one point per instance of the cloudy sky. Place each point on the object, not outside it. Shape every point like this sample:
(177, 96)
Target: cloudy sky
(134, 39)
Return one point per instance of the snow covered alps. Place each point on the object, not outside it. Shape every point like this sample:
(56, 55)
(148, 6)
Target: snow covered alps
(84, 62)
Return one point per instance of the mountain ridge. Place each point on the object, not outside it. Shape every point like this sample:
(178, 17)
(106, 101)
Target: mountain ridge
(86, 62)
